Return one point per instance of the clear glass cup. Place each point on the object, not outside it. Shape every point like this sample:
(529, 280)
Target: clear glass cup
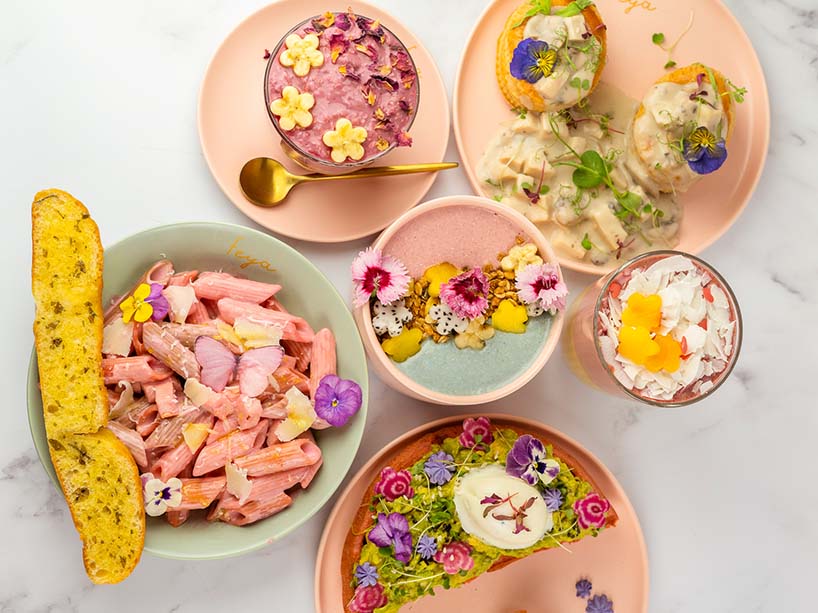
(581, 339)
(305, 159)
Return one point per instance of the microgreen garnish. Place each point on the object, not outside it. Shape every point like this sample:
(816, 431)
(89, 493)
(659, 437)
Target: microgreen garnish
(533, 193)
(521, 112)
(538, 7)
(737, 93)
(586, 243)
(659, 39)
(670, 64)
(575, 8)
(584, 84)
(518, 514)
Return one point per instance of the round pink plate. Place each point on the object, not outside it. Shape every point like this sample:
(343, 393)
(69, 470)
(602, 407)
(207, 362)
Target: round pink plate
(616, 561)
(234, 127)
(634, 63)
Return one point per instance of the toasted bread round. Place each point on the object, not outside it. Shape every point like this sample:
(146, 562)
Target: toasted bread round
(519, 93)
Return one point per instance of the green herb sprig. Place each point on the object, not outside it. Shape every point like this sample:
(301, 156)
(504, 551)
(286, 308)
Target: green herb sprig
(658, 39)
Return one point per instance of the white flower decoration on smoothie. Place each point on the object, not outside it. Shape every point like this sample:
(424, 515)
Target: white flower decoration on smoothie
(293, 108)
(301, 54)
(345, 141)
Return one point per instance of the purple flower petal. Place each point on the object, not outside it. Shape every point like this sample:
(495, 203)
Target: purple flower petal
(553, 499)
(524, 61)
(157, 300)
(584, 588)
(599, 604)
(337, 400)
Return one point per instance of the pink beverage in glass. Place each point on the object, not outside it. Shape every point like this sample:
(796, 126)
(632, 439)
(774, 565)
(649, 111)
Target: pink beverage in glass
(698, 310)
(367, 77)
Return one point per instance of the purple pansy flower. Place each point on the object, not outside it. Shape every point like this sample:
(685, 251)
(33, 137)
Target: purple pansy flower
(553, 499)
(584, 588)
(704, 151)
(158, 301)
(366, 574)
(532, 60)
(393, 529)
(599, 604)
(337, 400)
(439, 468)
(527, 460)
(427, 547)
(476, 432)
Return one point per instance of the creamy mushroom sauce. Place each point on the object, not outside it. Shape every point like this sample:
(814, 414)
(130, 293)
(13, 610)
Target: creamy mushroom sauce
(521, 168)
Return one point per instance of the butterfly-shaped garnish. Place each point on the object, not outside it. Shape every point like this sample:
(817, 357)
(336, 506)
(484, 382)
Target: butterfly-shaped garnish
(220, 366)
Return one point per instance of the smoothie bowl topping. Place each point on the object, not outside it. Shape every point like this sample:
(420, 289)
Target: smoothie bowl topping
(355, 90)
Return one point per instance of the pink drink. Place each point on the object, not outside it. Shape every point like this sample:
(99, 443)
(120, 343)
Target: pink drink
(699, 310)
(367, 77)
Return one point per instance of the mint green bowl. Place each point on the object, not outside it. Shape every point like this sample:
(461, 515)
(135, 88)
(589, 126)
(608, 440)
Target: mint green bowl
(307, 293)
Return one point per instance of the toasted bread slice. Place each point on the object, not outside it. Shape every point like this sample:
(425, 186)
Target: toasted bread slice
(101, 484)
(405, 457)
(521, 93)
(66, 279)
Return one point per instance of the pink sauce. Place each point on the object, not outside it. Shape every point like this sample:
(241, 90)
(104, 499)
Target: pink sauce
(377, 90)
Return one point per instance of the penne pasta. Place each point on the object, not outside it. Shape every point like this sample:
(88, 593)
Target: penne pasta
(255, 510)
(165, 347)
(167, 402)
(312, 470)
(323, 358)
(172, 462)
(278, 458)
(176, 518)
(183, 278)
(248, 412)
(200, 493)
(169, 431)
(188, 333)
(293, 328)
(135, 369)
(286, 378)
(236, 444)
(266, 487)
(198, 314)
(132, 440)
(218, 285)
(223, 427)
(275, 408)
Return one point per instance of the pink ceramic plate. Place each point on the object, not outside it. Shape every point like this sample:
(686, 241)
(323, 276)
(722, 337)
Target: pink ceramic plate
(234, 127)
(616, 561)
(634, 63)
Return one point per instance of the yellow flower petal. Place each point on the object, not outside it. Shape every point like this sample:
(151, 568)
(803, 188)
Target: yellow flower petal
(439, 274)
(669, 357)
(509, 317)
(636, 344)
(403, 346)
(644, 311)
(142, 291)
(143, 312)
(127, 307)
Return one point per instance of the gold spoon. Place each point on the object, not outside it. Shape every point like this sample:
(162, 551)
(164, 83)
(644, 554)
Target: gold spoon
(266, 182)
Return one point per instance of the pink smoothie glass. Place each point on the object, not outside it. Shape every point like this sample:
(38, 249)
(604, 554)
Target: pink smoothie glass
(585, 328)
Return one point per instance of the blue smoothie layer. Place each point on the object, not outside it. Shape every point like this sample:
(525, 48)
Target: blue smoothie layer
(446, 369)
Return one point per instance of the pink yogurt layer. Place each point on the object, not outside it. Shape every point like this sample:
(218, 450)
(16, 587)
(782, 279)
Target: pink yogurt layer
(465, 236)
(372, 82)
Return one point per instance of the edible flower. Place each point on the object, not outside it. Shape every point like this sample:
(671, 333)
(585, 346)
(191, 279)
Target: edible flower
(475, 335)
(636, 344)
(445, 320)
(377, 275)
(704, 152)
(583, 587)
(466, 293)
(439, 468)
(509, 317)
(599, 604)
(393, 530)
(338, 44)
(403, 139)
(160, 496)
(367, 598)
(337, 400)
(427, 547)
(293, 108)
(527, 460)
(301, 54)
(553, 499)
(437, 275)
(390, 318)
(394, 484)
(532, 60)
(541, 284)
(644, 311)
(403, 346)
(520, 256)
(669, 356)
(147, 302)
(591, 511)
(455, 557)
(476, 432)
(345, 141)
(366, 574)
(300, 415)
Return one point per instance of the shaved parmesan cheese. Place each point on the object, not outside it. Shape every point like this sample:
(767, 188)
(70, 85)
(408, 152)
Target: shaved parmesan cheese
(256, 334)
(117, 337)
(237, 482)
(180, 298)
(197, 392)
(194, 435)
(300, 416)
(125, 399)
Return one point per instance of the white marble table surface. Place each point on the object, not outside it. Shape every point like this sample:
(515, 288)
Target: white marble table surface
(99, 98)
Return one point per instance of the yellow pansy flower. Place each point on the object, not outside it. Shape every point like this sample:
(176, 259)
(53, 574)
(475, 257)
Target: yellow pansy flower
(520, 256)
(293, 108)
(439, 274)
(301, 54)
(135, 307)
(475, 335)
(345, 141)
(509, 317)
(643, 311)
(403, 346)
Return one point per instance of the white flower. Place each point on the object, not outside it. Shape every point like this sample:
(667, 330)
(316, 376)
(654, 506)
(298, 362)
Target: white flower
(160, 496)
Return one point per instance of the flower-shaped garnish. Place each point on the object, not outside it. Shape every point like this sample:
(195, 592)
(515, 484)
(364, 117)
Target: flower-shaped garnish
(466, 293)
(509, 317)
(644, 311)
(599, 604)
(160, 496)
(553, 499)
(366, 574)
(636, 344)
(455, 557)
(541, 284)
(532, 60)
(583, 587)
(427, 547)
(301, 54)
(367, 598)
(393, 530)
(591, 511)
(345, 141)
(437, 275)
(704, 152)
(293, 108)
(446, 322)
(669, 357)
(476, 433)
(439, 468)
(378, 275)
(520, 256)
(395, 483)
(147, 302)
(475, 335)
(300, 415)
(389, 318)
(403, 346)
(527, 460)
(337, 400)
